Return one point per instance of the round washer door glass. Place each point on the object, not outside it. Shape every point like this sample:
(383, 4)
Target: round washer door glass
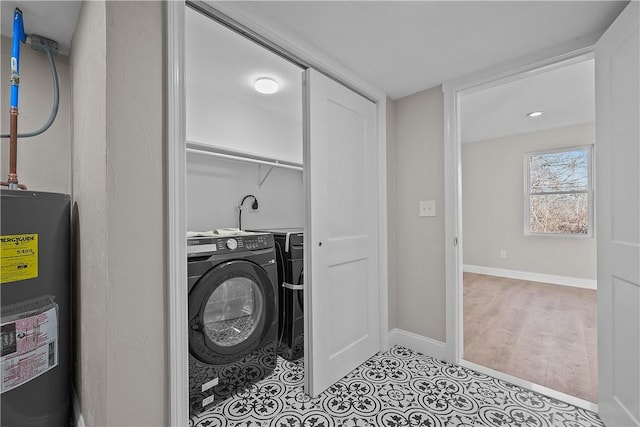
(233, 311)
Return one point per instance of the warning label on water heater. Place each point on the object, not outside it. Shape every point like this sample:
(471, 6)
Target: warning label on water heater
(29, 347)
(18, 257)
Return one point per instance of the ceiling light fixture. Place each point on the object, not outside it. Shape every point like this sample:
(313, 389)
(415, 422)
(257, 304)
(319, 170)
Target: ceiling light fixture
(535, 114)
(266, 85)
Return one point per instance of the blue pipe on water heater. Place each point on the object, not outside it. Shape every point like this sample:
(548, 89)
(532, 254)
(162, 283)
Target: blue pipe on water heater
(18, 37)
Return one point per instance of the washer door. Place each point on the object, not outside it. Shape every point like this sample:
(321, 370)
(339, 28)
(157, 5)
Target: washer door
(230, 309)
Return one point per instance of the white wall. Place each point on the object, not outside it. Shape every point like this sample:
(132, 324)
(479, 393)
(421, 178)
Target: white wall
(222, 107)
(224, 110)
(215, 188)
(136, 306)
(118, 183)
(44, 161)
(493, 207)
(419, 175)
(391, 213)
(88, 65)
(241, 127)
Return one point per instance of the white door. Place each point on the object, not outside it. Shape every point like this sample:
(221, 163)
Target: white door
(341, 241)
(618, 219)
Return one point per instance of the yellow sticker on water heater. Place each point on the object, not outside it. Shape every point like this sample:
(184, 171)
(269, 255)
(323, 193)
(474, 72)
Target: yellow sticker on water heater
(18, 257)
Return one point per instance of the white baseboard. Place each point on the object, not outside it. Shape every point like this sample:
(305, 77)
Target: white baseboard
(575, 282)
(424, 345)
(77, 412)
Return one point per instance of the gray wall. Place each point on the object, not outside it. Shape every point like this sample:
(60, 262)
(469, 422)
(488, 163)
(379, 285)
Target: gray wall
(118, 184)
(493, 207)
(419, 175)
(215, 188)
(44, 161)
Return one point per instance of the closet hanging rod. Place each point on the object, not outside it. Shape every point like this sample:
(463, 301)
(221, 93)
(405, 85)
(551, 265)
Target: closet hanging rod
(240, 158)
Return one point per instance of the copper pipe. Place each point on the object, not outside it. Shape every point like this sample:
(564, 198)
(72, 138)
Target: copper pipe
(13, 148)
(6, 184)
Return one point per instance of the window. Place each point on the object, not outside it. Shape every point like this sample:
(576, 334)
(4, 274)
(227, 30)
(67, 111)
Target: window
(559, 199)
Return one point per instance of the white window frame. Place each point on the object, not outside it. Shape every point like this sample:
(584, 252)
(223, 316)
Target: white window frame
(590, 196)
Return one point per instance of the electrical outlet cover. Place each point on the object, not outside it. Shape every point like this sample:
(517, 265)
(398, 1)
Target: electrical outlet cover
(427, 208)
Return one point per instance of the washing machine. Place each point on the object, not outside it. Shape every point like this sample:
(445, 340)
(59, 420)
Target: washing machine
(290, 259)
(232, 315)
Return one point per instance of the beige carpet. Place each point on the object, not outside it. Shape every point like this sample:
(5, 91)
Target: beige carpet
(543, 333)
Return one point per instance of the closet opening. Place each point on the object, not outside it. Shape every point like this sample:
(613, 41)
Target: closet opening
(245, 212)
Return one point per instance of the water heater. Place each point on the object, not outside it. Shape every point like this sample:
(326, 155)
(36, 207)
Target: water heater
(35, 287)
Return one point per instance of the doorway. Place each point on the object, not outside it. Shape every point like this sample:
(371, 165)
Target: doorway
(528, 290)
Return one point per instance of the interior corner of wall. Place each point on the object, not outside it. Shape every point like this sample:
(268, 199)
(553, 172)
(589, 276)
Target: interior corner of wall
(77, 408)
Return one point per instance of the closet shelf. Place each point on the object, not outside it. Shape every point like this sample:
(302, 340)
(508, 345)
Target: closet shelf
(223, 153)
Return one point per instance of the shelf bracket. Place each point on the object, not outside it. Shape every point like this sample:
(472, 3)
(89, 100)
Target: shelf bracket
(262, 179)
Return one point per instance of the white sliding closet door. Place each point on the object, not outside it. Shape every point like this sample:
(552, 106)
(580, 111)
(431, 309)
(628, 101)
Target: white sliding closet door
(341, 242)
(618, 216)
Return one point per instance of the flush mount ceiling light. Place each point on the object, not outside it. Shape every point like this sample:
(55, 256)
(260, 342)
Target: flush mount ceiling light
(266, 85)
(535, 114)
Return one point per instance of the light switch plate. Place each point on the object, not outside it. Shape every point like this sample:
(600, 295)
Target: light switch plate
(427, 208)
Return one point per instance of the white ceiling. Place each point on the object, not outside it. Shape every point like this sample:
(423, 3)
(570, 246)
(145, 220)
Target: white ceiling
(566, 96)
(400, 47)
(55, 20)
(403, 47)
(221, 62)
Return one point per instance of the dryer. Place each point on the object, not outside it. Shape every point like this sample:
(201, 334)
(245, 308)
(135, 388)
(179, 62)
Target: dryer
(233, 314)
(290, 258)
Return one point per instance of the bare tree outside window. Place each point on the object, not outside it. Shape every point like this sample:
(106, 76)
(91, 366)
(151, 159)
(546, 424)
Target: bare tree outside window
(559, 199)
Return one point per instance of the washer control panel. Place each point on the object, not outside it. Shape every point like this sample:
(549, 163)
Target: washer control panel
(198, 246)
(257, 241)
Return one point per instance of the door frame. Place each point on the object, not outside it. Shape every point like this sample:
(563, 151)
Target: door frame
(176, 220)
(278, 38)
(565, 54)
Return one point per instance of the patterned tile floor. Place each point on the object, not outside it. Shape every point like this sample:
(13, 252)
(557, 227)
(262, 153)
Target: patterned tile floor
(398, 388)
